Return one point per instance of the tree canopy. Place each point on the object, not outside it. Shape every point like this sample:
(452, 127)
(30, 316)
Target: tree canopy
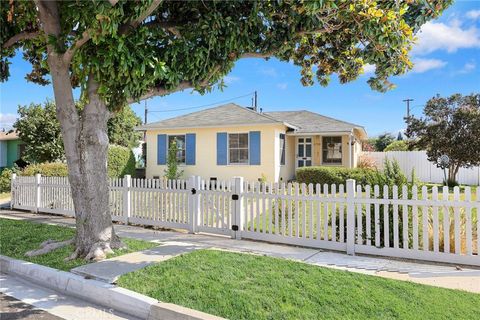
(39, 129)
(397, 145)
(449, 126)
(141, 49)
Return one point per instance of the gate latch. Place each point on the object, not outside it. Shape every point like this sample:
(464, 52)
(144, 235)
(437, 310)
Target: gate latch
(234, 196)
(194, 191)
(234, 227)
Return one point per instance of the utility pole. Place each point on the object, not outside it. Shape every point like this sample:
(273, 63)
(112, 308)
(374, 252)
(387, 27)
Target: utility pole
(408, 106)
(255, 101)
(146, 112)
(145, 121)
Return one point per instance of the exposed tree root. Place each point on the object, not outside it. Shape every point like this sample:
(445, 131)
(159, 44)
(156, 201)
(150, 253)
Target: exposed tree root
(99, 251)
(48, 246)
(116, 243)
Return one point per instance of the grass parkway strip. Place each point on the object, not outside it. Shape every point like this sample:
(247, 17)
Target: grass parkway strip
(18, 237)
(245, 286)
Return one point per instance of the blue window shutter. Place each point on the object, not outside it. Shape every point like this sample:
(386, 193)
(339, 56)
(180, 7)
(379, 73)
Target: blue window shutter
(162, 149)
(255, 153)
(222, 148)
(190, 149)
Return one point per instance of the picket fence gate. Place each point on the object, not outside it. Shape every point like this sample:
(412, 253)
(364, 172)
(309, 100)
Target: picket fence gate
(406, 222)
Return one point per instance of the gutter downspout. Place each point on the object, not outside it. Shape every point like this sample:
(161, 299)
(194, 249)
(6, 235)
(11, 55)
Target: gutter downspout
(350, 149)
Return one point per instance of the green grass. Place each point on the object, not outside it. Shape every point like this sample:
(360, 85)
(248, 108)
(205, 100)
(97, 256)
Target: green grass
(18, 237)
(242, 286)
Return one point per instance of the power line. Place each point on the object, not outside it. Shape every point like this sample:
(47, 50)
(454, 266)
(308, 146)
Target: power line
(204, 105)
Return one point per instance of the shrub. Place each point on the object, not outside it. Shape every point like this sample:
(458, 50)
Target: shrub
(172, 172)
(121, 161)
(5, 180)
(334, 175)
(366, 162)
(47, 169)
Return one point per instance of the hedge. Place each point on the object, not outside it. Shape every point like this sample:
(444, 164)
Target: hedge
(47, 169)
(335, 175)
(121, 161)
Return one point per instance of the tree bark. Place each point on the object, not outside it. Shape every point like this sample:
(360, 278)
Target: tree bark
(452, 172)
(85, 142)
(95, 237)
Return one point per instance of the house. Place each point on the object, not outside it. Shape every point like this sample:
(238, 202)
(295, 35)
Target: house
(11, 148)
(231, 140)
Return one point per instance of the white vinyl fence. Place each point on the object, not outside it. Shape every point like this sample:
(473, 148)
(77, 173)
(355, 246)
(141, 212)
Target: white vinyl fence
(425, 170)
(427, 224)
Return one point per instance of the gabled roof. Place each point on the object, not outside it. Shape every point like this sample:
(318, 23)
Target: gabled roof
(311, 122)
(231, 114)
(225, 115)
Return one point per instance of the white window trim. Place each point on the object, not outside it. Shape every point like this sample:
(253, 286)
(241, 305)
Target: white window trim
(228, 149)
(296, 150)
(168, 147)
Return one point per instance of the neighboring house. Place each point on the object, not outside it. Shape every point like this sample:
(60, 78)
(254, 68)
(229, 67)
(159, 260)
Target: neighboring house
(231, 140)
(11, 149)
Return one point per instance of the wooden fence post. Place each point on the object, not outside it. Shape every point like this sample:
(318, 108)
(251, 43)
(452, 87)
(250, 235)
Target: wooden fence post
(38, 178)
(351, 217)
(127, 184)
(12, 190)
(238, 217)
(193, 185)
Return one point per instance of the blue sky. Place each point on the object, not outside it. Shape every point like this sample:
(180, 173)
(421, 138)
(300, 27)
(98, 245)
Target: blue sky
(446, 57)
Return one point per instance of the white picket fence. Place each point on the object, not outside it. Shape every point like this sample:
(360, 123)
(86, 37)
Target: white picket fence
(426, 171)
(427, 224)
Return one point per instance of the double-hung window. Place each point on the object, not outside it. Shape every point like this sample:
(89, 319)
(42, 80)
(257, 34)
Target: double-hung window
(180, 140)
(238, 148)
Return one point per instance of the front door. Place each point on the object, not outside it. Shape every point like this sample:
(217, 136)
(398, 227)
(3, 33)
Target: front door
(304, 152)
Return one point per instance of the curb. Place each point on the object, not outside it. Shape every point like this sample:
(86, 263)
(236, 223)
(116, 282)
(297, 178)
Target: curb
(107, 295)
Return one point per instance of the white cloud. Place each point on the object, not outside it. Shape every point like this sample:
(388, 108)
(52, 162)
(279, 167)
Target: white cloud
(230, 79)
(449, 37)
(8, 118)
(282, 86)
(424, 65)
(473, 14)
(368, 68)
(467, 67)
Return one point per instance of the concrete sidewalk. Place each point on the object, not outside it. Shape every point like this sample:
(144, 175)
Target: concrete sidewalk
(175, 243)
(56, 304)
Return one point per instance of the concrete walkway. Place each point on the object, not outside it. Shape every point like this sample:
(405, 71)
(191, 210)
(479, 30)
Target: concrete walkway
(175, 243)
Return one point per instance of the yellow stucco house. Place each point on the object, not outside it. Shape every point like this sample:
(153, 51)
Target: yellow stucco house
(230, 140)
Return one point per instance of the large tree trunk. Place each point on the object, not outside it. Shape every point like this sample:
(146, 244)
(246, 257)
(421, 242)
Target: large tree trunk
(95, 236)
(85, 142)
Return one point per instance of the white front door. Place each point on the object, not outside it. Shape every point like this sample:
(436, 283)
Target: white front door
(304, 152)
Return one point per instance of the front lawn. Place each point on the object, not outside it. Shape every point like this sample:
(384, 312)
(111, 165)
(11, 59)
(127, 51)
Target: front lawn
(243, 286)
(17, 237)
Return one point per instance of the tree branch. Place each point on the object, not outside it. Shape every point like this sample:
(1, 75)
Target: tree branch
(136, 22)
(25, 35)
(161, 91)
(67, 57)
